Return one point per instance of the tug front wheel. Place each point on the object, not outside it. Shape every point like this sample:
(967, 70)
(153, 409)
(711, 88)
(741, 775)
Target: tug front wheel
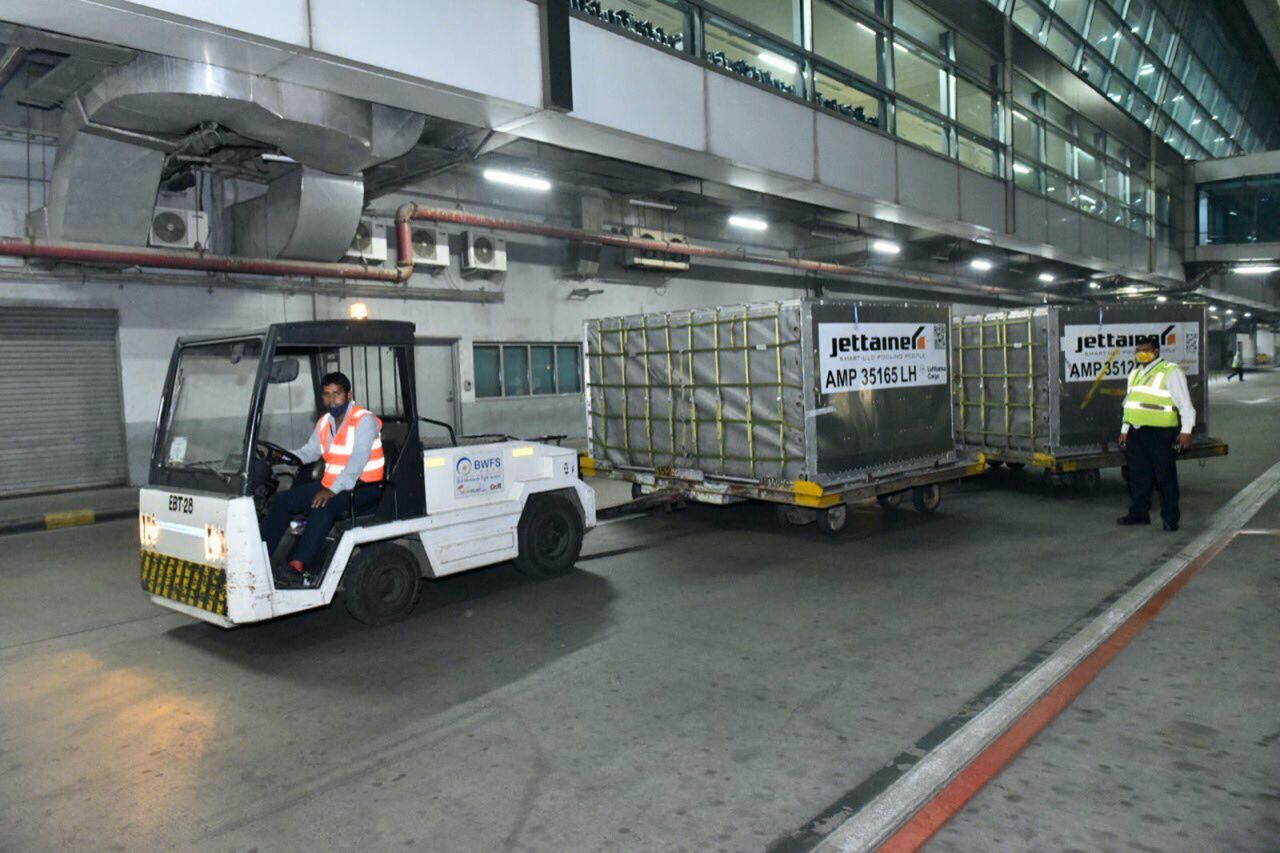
(549, 537)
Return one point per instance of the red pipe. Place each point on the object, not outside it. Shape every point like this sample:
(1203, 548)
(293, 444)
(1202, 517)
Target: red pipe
(409, 212)
(87, 253)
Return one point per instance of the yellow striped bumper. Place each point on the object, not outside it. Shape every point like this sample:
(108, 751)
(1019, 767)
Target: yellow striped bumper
(192, 584)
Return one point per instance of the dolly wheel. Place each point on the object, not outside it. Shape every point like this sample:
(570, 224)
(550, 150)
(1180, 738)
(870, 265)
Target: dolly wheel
(890, 501)
(1087, 482)
(549, 536)
(926, 498)
(381, 584)
(833, 519)
(636, 492)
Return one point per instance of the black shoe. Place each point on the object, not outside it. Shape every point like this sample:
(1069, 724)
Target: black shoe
(1133, 519)
(1171, 525)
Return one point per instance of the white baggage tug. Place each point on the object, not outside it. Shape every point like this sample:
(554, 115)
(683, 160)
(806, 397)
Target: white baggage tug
(232, 404)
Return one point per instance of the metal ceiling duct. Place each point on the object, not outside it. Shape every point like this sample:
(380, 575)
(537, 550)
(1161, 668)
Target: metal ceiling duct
(115, 135)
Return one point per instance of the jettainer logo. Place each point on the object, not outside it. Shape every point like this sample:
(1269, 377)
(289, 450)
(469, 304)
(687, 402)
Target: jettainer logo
(876, 356)
(1107, 351)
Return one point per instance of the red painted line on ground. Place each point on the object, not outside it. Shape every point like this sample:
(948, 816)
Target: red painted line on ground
(948, 801)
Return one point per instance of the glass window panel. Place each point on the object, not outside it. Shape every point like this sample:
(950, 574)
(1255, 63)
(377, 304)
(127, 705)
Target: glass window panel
(1161, 38)
(543, 369)
(488, 378)
(1137, 15)
(1117, 182)
(1025, 93)
(1026, 136)
(1062, 43)
(1057, 188)
(1138, 188)
(777, 17)
(1194, 78)
(1090, 172)
(1176, 103)
(976, 61)
(1119, 91)
(977, 155)
(1058, 112)
(568, 370)
(1073, 12)
(1089, 200)
(667, 22)
(1138, 222)
(1142, 109)
(845, 40)
(1092, 67)
(1030, 17)
(515, 371)
(843, 97)
(922, 130)
(914, 21)
(733, 48)
(919, 77)
(1128, 53)
(1148, 76)
(1026, 176)
(975, 108)
(1104, 30)
(1057, 151)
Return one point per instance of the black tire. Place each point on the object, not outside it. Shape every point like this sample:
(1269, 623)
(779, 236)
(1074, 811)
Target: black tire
(890, 501)
(833, 519)
(1016, 466)
(1087, 482)
(636, 492)
(549, 537)
(926, 498)
(382, 584)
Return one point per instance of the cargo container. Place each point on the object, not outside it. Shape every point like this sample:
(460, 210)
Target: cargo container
(1045, 386)
(808, 402)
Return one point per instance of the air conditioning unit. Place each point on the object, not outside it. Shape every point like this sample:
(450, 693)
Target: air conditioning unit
(430, 249)
(483, 254)
(644, 259)
(369, 245)
(172, 228)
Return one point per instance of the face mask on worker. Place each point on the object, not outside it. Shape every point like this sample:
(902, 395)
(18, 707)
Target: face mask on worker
(336, 412)
(1146, 356)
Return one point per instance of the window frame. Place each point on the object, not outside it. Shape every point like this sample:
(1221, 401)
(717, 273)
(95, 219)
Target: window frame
(528, 346)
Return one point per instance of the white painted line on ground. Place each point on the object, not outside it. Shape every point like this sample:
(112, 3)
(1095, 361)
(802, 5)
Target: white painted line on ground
(882, 816)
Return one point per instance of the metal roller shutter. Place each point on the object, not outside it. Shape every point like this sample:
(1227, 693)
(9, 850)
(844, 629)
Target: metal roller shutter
(60, 383)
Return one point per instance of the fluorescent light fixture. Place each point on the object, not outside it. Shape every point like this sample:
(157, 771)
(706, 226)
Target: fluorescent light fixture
(1213, 309)
(750, 223)
(1231, 310)
(779, 62)
(515, 179)
(359, 311)
(1177, 97)
(885, 247)
(1093, 285)
(1145, 70)
(1248, 313)
(1194, 122)
(1047, 277)
(1162, 299)
(1021, 169)
(864, 27)
(1087, 198)
(1255, 269)
(981, 264)
(1020, 116)
(655, 205)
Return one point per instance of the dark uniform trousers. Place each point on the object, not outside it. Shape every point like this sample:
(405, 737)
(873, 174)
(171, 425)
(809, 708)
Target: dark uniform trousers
(297, 501)
(1153, 464)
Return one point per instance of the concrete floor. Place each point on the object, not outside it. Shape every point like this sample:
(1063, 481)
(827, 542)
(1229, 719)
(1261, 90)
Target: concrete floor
(707, 681)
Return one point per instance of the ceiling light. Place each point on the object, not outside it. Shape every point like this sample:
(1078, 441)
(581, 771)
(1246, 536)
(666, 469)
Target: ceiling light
(1231, 310)
(1093, 285)
(1213, 309)
(1145, 70)
(1194, 122)
(515, 179)
(1020, 116)
(1162, 299)
(1248, 313)
(981, 264)
(863, 26)
(1047, 277)
(1255, 269)
(359, 311)
(885, 247)
(750, 223)
(779, 62)
(1021, 169)
(656, 205)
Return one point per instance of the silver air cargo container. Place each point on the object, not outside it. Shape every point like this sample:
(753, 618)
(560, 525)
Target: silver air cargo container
(1045, 386)
(808, 403)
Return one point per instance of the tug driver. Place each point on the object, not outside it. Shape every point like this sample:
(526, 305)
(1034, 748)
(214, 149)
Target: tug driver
(348, 438)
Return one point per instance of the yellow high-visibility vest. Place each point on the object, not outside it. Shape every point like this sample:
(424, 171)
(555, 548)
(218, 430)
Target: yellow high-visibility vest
(1148, 402)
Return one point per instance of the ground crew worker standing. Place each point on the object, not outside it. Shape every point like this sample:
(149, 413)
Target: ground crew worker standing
(1158, 419)
(1237, 365)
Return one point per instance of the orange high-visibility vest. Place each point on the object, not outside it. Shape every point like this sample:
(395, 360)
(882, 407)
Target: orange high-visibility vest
(338, 451)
